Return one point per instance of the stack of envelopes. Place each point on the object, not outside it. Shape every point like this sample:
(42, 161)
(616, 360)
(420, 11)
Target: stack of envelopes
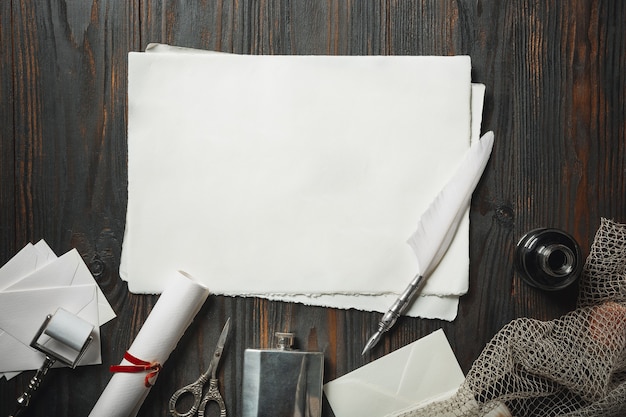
(296, 178)
(35, 283)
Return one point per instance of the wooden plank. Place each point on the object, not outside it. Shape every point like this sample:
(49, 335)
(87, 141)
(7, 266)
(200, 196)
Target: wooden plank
(215, 25)
(7, 166)
(70, 154)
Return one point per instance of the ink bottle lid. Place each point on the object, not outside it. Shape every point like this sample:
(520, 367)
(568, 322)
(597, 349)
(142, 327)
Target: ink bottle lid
(549, 259)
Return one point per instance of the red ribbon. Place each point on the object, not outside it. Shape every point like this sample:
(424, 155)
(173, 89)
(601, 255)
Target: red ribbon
(138, 365)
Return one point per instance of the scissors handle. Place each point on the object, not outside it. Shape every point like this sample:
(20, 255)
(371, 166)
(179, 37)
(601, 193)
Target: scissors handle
(195, 390)
(213, 394)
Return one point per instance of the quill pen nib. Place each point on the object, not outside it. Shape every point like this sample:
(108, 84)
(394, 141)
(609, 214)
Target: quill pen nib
(372, 342)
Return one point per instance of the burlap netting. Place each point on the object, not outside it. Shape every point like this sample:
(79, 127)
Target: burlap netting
(573, 366)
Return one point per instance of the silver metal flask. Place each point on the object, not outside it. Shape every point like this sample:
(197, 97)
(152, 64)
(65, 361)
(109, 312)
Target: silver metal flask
(282, 382)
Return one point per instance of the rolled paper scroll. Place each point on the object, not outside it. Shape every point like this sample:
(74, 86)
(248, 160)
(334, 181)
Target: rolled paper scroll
(176, 308)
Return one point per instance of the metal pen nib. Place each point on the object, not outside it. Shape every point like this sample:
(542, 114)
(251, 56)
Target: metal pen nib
(395, 311)
(372, 342)
(388, 320)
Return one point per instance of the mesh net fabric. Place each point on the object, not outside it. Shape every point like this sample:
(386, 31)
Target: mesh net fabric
(573, 366)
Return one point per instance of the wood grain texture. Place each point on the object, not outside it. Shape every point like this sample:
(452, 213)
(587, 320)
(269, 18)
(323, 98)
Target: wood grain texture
(555, 74)
(7, 162)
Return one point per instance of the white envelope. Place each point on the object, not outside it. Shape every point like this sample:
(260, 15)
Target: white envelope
(40, 281)
(421, 372)
(68, 269)
(28, 259)
(22, 312)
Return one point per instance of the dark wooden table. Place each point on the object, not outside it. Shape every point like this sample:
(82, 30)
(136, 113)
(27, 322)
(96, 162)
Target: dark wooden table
(555, 73)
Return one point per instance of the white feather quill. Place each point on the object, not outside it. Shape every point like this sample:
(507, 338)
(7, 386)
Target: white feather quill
(438, 224)
(437, 227)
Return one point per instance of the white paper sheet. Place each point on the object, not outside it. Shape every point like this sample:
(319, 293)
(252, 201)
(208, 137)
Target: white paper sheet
(444, 307)
(172, 314)
(233, 156)
(416, 374)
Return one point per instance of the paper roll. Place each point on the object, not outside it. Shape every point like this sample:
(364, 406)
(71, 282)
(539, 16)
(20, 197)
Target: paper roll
(180, 301)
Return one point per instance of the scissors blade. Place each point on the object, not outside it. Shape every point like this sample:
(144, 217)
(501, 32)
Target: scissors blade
(217, 355)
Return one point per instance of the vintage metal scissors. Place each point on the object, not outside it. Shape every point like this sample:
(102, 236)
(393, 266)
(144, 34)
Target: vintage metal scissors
(195, 389)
